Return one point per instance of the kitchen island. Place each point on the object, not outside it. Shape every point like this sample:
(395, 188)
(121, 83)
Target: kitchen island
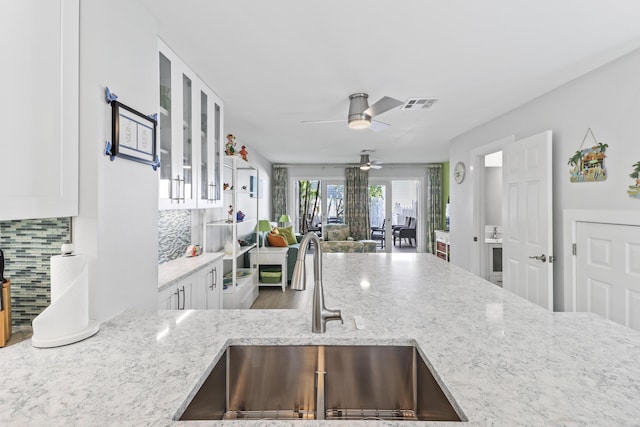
(503, 360)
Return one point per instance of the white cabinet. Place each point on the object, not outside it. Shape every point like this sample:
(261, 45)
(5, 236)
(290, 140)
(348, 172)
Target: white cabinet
(178, 296)
(39, 115)
(191, 283)
(443, 246)
(190, 135)
(209, 287)
(209, 191)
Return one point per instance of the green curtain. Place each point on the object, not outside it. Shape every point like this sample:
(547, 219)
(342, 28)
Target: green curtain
(279, 178)
(434, 203)
(356, 208)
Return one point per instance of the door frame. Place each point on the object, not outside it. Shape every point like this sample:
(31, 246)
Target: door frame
(478, 254)
(388, 208)
(571, 217)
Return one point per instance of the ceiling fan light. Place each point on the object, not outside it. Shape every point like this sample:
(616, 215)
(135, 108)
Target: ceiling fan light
(357, 117)
(360, 123)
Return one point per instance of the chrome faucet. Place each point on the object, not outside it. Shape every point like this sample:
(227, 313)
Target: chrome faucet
(320, 314)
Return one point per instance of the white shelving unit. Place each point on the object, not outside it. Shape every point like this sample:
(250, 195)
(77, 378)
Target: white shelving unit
(243, 288)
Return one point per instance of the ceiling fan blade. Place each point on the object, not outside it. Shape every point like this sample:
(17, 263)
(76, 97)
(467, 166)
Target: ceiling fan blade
(322, 121)
(377, 126)
(385, 103)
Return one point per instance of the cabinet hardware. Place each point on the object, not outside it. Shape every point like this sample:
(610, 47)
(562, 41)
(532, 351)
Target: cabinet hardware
(178, 295)
(211, 192)
(178, 181)
(183, 299)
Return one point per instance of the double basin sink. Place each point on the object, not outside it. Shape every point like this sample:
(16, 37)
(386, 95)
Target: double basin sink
(321, 382)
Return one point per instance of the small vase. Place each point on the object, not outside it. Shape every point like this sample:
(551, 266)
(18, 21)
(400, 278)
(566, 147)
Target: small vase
(228, 247)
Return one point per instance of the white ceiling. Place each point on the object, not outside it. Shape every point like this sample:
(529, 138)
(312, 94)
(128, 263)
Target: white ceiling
(279, 62)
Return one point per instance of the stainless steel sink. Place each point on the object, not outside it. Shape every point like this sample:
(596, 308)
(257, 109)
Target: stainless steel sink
(321, 382)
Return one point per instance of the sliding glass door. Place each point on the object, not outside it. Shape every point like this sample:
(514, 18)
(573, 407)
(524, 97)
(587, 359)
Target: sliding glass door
(333, 202)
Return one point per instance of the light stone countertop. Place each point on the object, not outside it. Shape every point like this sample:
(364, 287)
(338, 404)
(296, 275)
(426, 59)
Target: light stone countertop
(505, 361)
(173, 271)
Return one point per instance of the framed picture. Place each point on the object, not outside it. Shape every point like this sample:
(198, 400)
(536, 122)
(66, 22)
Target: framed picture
(133, 134)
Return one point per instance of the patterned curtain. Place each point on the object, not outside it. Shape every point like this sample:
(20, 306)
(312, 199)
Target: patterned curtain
(434, 205)
(356, 209)
(279, 178)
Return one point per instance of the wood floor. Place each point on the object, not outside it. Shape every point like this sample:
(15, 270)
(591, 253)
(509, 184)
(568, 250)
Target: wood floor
(271, 297)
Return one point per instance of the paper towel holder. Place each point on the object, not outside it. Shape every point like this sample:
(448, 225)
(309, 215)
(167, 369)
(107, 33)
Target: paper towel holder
(66, 320)
(67, 249)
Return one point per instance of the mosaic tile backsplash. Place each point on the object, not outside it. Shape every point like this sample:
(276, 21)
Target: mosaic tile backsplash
(174, 234)
(28, 246)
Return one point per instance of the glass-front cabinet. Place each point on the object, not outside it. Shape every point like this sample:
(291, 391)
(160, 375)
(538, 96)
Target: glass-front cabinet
(209, 188)
(190, 123)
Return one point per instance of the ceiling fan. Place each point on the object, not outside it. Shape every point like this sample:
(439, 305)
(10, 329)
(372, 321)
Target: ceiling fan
(361, 114)
(366, 164)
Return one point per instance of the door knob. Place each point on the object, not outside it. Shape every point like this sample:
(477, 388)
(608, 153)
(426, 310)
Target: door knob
(542, 257)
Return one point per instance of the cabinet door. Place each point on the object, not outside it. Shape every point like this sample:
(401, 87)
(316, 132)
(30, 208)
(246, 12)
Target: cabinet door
(178, 147)
(39, 115)
(168, 298)
(210, 166)
(214, 290)
(186, 289)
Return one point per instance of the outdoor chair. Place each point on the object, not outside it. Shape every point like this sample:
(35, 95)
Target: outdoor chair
(408, 233)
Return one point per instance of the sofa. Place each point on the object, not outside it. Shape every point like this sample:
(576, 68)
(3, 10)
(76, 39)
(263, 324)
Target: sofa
(337, 238)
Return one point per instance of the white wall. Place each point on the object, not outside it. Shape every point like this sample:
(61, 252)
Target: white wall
(606, 100)
(117, 224)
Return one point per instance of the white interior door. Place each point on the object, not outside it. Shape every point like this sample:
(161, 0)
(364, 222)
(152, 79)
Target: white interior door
(527, 219)
(608, 271)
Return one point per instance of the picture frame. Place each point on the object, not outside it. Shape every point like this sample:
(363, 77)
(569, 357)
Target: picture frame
(133, 134)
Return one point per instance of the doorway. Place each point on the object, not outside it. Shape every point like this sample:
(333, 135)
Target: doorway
(393, 203)
(309, 206)
(333, 201)
(486, 164)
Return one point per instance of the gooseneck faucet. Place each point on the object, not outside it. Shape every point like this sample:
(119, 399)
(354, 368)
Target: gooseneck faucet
(320, 314)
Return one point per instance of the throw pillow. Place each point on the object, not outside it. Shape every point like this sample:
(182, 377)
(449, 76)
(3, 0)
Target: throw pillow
(275, 230)
(341, 233)
(287, 232)
(277, 240)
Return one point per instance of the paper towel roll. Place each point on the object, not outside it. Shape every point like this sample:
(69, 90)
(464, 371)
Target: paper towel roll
(65, 271)
(66, 320)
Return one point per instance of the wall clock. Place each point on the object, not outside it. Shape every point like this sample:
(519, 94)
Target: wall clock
(458, 172)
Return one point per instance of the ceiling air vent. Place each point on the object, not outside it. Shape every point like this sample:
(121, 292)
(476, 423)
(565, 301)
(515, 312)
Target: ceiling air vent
(419, 103)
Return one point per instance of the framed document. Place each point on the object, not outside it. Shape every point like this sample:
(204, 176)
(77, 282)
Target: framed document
(133, 134)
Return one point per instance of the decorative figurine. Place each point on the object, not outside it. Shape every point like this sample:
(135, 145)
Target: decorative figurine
(230, 146)
(243, 153)
(230, 212)
(225, 186)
